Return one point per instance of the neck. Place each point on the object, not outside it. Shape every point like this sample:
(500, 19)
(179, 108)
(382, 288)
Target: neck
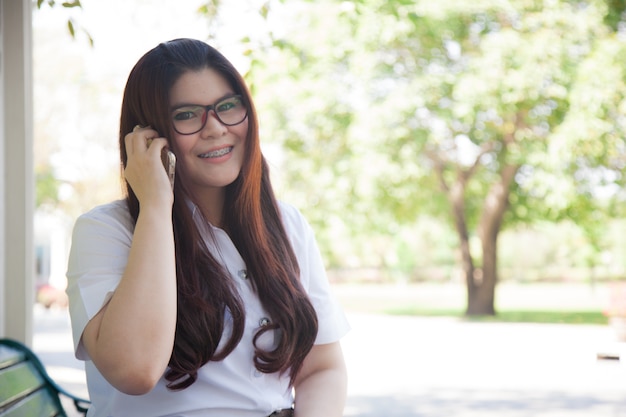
(211, 204)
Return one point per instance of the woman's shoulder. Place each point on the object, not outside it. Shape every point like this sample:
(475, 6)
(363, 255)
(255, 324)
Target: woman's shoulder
(296, 226)
(116, 208)
(109, 213)
(292, 217)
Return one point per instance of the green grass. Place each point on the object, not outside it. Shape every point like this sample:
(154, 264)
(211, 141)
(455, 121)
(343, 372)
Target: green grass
(509, 316)
(515, 303)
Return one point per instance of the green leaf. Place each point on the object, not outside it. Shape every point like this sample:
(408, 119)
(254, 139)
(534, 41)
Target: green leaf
(75, 3)
(91, 41)
(50, 3)
(70, 27)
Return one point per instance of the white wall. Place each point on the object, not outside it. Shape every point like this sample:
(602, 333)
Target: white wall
(17, 180)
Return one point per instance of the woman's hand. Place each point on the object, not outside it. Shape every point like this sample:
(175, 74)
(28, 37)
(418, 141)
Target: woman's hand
(144, 169)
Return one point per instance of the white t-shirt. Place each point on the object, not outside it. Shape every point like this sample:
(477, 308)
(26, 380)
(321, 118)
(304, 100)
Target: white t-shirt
(232, 387)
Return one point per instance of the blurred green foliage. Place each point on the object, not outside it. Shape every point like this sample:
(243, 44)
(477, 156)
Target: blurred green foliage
(47, 187)
(615, 15)
(376, 110)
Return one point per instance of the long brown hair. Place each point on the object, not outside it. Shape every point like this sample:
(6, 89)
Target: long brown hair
(207, 296)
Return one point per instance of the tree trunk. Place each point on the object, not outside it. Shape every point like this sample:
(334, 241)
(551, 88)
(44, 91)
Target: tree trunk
(482, 285)
(481, 288)
(457, 199)
(481, 282)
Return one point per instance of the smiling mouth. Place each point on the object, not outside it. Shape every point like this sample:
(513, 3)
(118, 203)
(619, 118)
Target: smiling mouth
(217, 153)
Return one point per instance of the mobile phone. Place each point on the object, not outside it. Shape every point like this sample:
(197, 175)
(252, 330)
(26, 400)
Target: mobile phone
(169, 163)
(167, 158)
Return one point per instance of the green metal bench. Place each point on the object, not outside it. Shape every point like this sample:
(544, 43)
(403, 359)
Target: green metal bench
(26, 389)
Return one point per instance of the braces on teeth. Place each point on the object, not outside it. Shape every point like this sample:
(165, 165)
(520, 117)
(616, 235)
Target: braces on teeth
(218, 153)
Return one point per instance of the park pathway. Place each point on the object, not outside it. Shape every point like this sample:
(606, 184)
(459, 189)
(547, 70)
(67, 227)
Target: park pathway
(441, 367)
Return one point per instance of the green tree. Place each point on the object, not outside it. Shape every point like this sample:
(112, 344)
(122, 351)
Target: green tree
(486, 114)
(500, 115)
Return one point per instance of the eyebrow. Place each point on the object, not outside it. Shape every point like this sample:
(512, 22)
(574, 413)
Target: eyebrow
(187, 104)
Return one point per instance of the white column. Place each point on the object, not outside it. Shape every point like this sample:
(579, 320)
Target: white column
(17, 181)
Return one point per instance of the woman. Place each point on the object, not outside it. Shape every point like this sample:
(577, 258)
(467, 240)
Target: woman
(206, 297)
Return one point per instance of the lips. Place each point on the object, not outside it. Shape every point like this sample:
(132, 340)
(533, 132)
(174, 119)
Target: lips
(217, 153)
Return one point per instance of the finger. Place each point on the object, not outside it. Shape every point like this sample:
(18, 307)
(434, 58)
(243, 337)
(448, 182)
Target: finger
(145, 132)
(156, 142)
(140, 138)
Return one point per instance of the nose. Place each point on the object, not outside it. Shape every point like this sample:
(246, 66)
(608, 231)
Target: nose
(212, 127)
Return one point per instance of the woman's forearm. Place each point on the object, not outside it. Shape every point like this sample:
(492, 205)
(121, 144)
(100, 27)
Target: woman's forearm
(321, 386)
(322, 394)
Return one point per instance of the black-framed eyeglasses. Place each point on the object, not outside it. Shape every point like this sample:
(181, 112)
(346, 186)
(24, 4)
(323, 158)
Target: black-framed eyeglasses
(192, 118)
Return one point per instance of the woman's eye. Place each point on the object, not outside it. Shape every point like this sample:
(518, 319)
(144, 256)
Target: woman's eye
(225, 106)
(185, 114)
(228, 104)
